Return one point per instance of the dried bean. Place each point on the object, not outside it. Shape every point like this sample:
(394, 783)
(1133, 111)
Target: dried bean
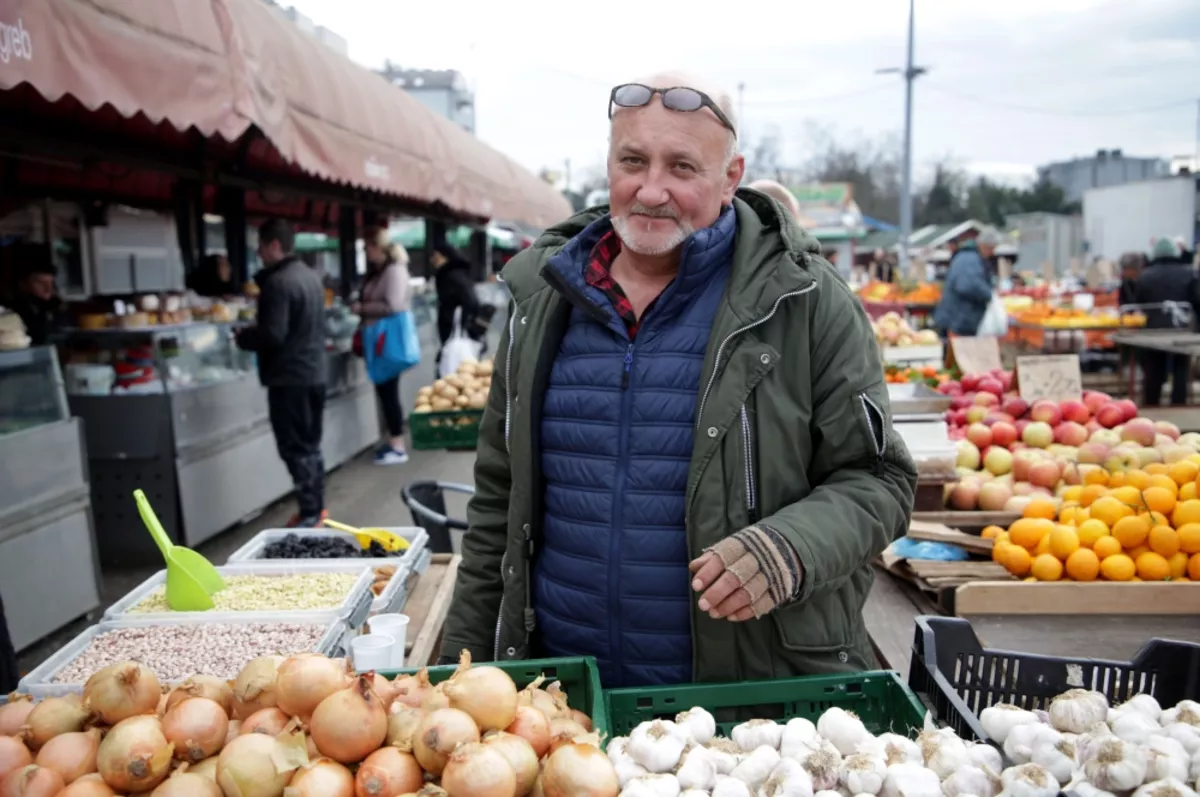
(268, 593)
(175, 652)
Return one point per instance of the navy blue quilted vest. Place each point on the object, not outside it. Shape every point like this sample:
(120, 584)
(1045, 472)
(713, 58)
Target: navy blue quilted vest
(611, 577)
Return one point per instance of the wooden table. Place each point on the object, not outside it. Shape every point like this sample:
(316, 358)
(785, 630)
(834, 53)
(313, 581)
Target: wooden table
(428, 603)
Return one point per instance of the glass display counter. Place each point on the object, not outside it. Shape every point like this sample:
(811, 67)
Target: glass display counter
(49, 572)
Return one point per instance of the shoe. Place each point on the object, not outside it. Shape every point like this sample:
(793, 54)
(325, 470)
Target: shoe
(298, 522)
(390, 456)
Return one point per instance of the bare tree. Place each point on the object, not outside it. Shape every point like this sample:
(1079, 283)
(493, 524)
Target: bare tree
(872, 167)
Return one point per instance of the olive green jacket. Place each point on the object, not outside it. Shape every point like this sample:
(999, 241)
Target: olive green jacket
(793, 429)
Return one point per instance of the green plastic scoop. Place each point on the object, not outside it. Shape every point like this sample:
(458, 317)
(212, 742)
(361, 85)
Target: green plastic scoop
(191, 579)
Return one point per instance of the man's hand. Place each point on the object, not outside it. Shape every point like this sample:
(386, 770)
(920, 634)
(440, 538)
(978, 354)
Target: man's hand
(747, 575)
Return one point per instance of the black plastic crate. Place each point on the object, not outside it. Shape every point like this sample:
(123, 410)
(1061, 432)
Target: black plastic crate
(957, 677)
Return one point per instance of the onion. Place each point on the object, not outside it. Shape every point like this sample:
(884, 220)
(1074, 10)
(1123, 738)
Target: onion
(439, 733)
(563, 731)
(350, 724)
(120, 691)
(203, 686)
(583, 719)
(487, 693)
(197, 727)
(187, 784)
(72, 755)
(534, 727)
(519, 754)
(207, 768)
(234, 731)
(31, 781)
(257, 765)
(552, 704)
(13, 714)
(579, 770)
(13, 755)
(270, 721)
(255, 686)
(478, 770)
(411, 689)
(435, 698)
(135, 756)
(322, 778)
(305, 680)
(51, 717)
(387, 772)
(88, 786)
(383, 689)
(403, 721)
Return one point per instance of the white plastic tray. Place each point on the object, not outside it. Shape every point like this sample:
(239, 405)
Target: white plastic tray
(40, 681)
(393, 595)
(353, 611)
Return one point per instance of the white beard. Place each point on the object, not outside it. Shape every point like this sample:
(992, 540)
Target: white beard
(636, 240)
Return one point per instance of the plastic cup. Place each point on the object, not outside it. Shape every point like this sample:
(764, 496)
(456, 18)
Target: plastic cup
(395, 626)
(372, 652)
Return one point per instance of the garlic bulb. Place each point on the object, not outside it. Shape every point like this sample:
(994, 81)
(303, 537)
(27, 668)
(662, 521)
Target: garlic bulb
(694, 793)
(911, 780)
(843, 729)
(824, 765)
(658, 785)
(863, 773)
(1088, 743)
(1029, 780)
(985, 756)
(1076, 710)
(1059, 759)
(798, 739)
(1143, 704)
(787, 779)
(1185, 711)
(627, 769)
(1194, 768)
(724, 754)
(1133, 726)
(756, 767)
(698, 724)
(731, 787)
(999, 720)
(757, 733)
(971, 780)
(1164, 787)
(618, 749)
(1080, 787)
(944, 752)
(696, 770)
(828, 793)
(656, 745)
(1116, 765)
(1165, 758)
(893, 749)
(1024, 739)
(1186, 735)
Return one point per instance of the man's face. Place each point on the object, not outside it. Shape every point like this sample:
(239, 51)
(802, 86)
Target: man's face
(270, 253)
(41, 286)
(987, 250)
(667, 175)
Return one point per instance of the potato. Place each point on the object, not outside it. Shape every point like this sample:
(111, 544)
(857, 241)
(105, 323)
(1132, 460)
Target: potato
(477, 401)
(422, 408)
(440, 403)
(484, 368)
(449, 392)
(454, 380)
(467, 368)
(460, 400)
(438, 385)
(427, 390)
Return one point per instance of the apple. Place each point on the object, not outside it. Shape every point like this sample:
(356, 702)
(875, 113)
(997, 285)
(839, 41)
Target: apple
(1110, 416)
(980, 435)
(1003, 434)
(1147, 455)
(1107, 437)
(1140, 430)
(1014, 405)
(968, 455)
(1094, 400)
(1017, 503)
(1046, 412)
(1190, 439)
(1038, 434)
(1021, 424)
(1006, 379)
(970, 382)
(1045, 473)
(1167, 428)
(1022, 460)
(987, 399)
(1074, 411)
(1161, 441)
(1176, 453)
(1022, 488)
(1093, 452)
(950, 387)
(1070, 433)
(1093, 426)
(1071, 473)
(957, 433)
(1128, 409)
(976, 414)
(995, 417)
(998, 461)
(990, 384)
(993, 496)
(1015, 447)
(960, 401)
(965, 495)
(1121, 459)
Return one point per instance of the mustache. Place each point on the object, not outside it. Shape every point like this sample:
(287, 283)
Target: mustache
(660, 212)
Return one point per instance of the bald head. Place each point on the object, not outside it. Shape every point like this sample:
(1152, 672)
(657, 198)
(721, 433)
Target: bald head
(779, 194)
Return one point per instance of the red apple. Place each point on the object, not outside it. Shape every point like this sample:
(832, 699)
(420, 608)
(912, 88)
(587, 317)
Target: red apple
(1070, 433)
(970, 382)
(990, 384)
(1021, 424)
(950, 388)
(1045, 473)
(1074, 411)
(980, 435)
(1128, 409)
(994, 417)
(968, 455)
(1045, 411)
(1015, 447)
(1022, 460)
(1093, 453)
(1022, 488)
(1167, 428)
(960, 417)
(965, 495)
(1004, 434)
(987, 399)
(976, 414)
(1006, 379)
(1110, 415)
(1094, 400)
(1140, 430)
(993, 496)
(998, 461)
(959, 402)
(1093, 426)
(1038, 434)
(1014, 405)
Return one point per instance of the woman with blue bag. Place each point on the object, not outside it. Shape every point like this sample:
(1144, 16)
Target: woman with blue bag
(389, 334)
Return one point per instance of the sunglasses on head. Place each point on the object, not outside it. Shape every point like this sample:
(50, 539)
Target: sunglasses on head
(676, 98)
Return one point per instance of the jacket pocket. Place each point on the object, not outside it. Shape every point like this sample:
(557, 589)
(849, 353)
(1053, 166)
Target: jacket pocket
(750, 478)
(875, 425)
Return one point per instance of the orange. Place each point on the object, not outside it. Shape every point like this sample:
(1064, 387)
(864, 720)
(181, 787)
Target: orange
(1106, 547)
(1183, 472)
(1118, 479)
(1097, 477)
(1134, 553)
(1187, 492)
(1090, 493)
(1089, 531)
(1138, 478)
(1155, 518)
(1028, 532)
(1178, 564)
(1082, 513)
(1163, 540)
(1066, 515)
(998, 552)
(1002, 537)
(1040, 507)
(1016, 560)
(1153, 567)
(1164, 481)
(1193, 570)
(1159, 499)
(990, 532)
(1043, 546)
(1128, 495)
(1189, 537)
(1117, 567)
(1156, 469)
(1109, 510)
(1073, 493)
(1185, 512)
(1064, 541)
(1083, 565)
(1131, 531)
(1046, 567)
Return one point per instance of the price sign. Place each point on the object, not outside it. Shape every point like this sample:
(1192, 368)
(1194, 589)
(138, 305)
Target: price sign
(1054, 376)
(975, 355)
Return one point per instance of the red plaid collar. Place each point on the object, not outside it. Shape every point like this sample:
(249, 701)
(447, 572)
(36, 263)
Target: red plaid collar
(598, 274)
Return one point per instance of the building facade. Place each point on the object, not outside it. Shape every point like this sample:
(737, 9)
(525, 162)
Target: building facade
(319, 32)
(443, 91)
(1105, 168)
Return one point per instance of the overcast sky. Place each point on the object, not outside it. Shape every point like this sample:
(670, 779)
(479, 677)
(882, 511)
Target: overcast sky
(1012, 83)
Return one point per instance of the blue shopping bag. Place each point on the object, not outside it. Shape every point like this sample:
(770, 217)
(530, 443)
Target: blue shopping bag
(391, 346)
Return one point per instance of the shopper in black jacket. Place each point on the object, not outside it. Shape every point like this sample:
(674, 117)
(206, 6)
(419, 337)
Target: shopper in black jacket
(1171, 287)
(455, 289)
(289, 340)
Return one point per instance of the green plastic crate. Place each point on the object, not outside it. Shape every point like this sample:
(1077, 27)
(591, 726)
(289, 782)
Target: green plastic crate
(445, 429)
(579, 676)
(881, 700)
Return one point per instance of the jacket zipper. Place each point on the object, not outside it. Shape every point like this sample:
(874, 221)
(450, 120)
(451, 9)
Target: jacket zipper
(879, 438)
(628, 366)
(721, 349)
(512, 336)
(500, 614)
(748, 453)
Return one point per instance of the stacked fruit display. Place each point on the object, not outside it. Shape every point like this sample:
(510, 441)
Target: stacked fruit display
(891, 330)
(896, 374)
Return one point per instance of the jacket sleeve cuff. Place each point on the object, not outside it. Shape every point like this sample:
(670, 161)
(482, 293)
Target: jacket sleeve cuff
(777, 560)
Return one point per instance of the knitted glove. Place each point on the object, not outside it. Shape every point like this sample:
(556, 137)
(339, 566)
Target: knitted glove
(764, 564)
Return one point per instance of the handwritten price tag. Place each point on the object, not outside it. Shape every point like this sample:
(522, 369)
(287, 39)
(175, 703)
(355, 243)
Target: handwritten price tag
(976, 355)
(1054, 376)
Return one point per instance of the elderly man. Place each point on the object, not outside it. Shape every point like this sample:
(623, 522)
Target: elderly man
(687, 462)
(780, 194)
(969, 285)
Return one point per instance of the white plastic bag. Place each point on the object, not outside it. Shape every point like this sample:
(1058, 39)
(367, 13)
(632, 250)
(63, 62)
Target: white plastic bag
(458, 349)
(995, 319)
